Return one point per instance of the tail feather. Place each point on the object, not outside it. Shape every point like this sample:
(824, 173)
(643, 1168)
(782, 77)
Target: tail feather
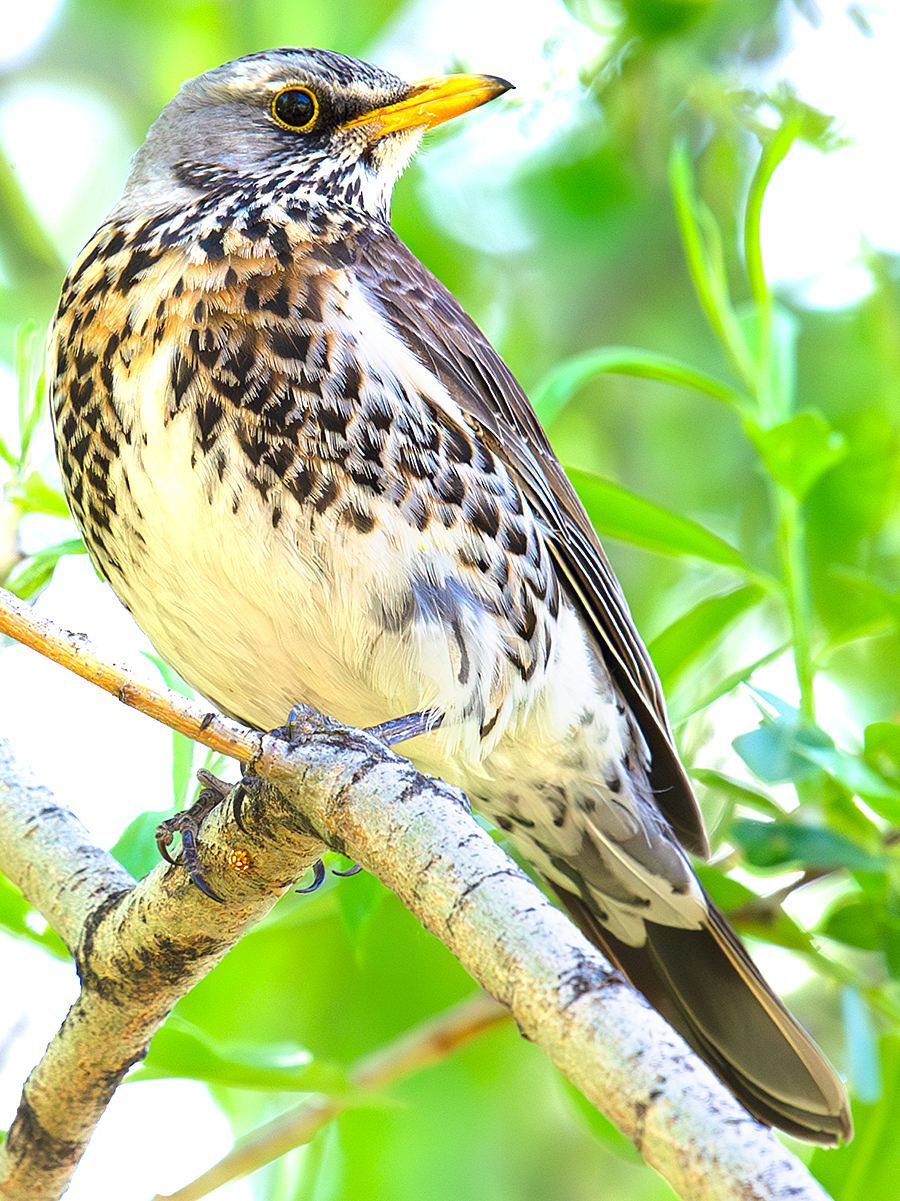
(707, 988)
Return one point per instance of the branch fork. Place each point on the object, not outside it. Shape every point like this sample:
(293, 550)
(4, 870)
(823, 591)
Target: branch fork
(139, 947)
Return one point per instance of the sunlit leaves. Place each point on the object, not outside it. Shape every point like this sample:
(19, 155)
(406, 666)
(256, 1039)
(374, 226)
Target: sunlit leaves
(618, 513)
(18, 918)
(870, 1166)
(34, 572)
(182, 1049)
(798, 452)
(685, 640)
(559, 384)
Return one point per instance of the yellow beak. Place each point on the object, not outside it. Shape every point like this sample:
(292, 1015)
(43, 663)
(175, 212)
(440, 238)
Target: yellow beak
(431, 102)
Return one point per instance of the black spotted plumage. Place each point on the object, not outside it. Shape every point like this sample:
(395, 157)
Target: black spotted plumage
(310, 477)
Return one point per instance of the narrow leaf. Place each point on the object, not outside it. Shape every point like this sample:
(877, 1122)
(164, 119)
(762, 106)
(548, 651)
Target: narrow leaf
(618, 513)
(681, 713)
(31, 575)
(558, 386)
(738, 792)
(181, 1049)
(35, 495)
(777, 843)
(703, 250)
(681, 643)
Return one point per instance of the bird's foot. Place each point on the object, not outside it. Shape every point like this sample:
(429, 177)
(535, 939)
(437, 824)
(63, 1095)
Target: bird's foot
(400, 729)
(188, 823)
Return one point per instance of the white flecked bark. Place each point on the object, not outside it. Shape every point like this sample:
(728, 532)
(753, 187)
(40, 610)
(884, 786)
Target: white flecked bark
(140, 947)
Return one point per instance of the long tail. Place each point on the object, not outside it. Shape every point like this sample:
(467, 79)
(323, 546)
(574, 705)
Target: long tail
(707, 988)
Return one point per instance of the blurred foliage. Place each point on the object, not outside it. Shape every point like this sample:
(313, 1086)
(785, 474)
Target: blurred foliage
(741, 453)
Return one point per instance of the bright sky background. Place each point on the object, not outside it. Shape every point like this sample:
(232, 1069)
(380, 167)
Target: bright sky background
(817, 211)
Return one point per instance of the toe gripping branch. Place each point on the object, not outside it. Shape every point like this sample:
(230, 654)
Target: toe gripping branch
(188, 823)
(214, 792)
(398, 729)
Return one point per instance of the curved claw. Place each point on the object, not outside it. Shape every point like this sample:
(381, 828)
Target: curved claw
(192, 865)
(350, 871)
(237, 806)
(164, 839)
(318, 877)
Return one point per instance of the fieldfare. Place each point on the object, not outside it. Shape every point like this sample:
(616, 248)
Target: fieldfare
(310, 478)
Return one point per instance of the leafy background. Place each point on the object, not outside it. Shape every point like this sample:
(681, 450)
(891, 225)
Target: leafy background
(736, 446)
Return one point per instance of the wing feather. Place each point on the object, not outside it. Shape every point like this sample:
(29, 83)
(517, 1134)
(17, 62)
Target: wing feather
(437, 330)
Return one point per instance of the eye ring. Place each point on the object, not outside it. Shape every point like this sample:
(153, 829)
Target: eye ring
(295, 108)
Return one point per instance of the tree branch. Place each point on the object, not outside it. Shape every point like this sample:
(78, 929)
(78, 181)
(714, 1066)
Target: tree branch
(139, 949)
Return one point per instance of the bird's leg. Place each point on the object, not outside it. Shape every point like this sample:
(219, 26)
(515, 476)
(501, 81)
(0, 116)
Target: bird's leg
(399, 729)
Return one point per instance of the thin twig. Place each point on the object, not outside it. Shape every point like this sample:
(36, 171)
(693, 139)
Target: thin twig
(19, 621)
(428, 1043)
(343, 788)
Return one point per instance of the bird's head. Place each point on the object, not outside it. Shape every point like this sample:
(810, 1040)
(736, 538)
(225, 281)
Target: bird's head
(301, 124)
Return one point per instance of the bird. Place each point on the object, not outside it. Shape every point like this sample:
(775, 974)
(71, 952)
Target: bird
(308, 475)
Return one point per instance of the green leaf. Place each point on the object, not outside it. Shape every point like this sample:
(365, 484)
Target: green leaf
(703, 250)
(882, 750)
(182, 746)
(738, 792)
(777, 843)
(558, 386)
(777, 750)
(857, 922)
(798, 452)
(869, 1168)
(21, 920)
(136, 847)
(181, 1049)
(29, 576)
(854, 774)
(770, 751)
(746, 908)
(618, 513)
(35, 495)
(27, 355)
(682, 711)
(690, 635)
(359, 899)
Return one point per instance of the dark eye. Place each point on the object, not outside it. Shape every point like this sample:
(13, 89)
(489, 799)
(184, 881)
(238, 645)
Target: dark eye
(295, 108)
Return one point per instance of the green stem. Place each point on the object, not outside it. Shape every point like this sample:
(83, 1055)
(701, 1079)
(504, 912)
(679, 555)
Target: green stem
(792, 541)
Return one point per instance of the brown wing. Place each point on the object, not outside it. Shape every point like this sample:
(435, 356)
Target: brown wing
(442, 336)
